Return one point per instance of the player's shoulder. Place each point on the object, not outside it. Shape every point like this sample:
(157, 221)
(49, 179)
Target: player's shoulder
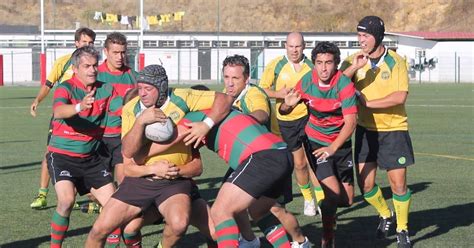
(181, 93)
(278, 60)
(347, 62)
(255, 89)
(63, 59)
(397, 57)
(349, 58)
(131, 104)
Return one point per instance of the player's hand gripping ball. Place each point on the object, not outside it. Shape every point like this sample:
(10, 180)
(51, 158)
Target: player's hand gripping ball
(160, 132)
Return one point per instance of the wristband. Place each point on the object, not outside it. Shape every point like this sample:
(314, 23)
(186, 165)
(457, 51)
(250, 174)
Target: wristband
(78, 108)
(209, 122)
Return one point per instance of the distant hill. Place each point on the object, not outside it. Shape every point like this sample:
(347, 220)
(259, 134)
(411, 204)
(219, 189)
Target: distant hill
(250, 15)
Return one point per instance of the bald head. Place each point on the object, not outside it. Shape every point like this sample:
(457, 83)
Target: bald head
(294, 47)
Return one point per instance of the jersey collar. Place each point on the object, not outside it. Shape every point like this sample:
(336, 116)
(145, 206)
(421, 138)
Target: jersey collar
(242, 93)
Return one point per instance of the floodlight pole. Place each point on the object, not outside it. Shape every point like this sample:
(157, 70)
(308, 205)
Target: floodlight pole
(419, 63)
(42, 55)
(218, 42)
(141, 55)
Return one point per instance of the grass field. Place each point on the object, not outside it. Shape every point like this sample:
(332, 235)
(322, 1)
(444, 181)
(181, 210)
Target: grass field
(441, 118)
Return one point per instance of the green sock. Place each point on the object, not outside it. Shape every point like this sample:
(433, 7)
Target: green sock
(43, 191)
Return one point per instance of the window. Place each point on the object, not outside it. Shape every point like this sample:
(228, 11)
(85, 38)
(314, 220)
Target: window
(340, 43)
(167, 43)
(255, 43)
(390, 43)
(238, 43)
(273, 44)
(309, 43)
(354, 44)
(204, 43)
(132, 43)
(221, 43)
(150, 43)
(186, 43)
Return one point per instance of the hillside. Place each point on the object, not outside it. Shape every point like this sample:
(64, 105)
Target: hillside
(251, 15)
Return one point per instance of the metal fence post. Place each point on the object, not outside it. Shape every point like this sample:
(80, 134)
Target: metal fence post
(1, 69)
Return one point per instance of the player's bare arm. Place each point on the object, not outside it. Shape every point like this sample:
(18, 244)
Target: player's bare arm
(260, 115)
(69, 110)
(160, 169)
(279, 94)
(393, 99)
(291, 99)
(133, 141)
(198, 130)
(43, 92)
(350, 122)
(360, 59)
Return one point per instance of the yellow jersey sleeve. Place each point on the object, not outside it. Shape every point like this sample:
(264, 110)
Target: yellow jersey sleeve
(182, 101)
(268, 77)
(256, 100)
(128, 115)
(59, 72)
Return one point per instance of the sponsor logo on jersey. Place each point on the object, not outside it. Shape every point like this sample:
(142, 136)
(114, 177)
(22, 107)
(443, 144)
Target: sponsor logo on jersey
(402, 160)
(174, 116)
(385, 75)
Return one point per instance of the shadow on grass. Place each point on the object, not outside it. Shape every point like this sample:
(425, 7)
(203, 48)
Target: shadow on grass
(16, 141)
(360, 203)
(360, 231)
(35, 242)
(16, 166)
(20, 97)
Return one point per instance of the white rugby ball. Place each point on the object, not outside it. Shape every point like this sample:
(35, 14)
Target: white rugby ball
(160, 132)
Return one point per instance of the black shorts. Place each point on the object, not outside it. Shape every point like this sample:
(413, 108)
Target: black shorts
(285, 197)
(340, 164)
(390, 150)
(264, 173)
(111, 151)
(195, 195)
(84, 173)
(144, 192)
(292, 132)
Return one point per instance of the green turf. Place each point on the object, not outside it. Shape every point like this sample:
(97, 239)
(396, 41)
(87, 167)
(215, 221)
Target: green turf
(441, 125)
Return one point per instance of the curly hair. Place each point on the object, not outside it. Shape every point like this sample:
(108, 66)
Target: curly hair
(326, 47)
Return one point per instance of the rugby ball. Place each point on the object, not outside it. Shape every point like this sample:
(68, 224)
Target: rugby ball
(160, 132)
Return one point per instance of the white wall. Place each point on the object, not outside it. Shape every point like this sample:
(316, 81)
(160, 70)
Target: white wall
(445, 52)
(216, 63)
(182, 64)
(17, 65)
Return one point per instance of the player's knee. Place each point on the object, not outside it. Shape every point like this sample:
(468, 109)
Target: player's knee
(300, 164)
(218, 213)
(131, 228)
(366, 186)
(65, 205)
(399, 189)
(98, 233)
(178, 224)
(278, 211)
